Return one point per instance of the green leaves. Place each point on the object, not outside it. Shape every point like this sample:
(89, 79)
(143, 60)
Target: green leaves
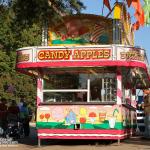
(6, 34)
(30, 36)
(20, 26)
(4, 63)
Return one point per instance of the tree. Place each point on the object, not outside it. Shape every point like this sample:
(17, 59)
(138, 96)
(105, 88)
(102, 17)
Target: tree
(37, 11)
(21, 24)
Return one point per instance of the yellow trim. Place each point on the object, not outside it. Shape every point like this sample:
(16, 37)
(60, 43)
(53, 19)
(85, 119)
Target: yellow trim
(50, 37)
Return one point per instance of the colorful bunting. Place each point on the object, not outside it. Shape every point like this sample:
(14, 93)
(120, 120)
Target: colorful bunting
(137, 5)
(139, 14)
(107, 4)
(142, 18)
(129, 2)
(135, 26)
(117, 11)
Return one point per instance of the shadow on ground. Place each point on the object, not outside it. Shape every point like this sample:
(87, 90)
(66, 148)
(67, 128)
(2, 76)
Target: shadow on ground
(32, 141)
(138, 140)
(76, 142)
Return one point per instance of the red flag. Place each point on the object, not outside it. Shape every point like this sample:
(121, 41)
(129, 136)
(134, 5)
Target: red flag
(142, 18)
(139, 12)
(129, 2)
(107, 4)
(136, 26)
(137, 5)
(129, 17)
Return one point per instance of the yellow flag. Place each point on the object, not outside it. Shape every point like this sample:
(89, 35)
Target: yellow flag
(117, 11)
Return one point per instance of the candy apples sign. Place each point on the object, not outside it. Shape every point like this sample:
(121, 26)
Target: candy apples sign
(74, 54)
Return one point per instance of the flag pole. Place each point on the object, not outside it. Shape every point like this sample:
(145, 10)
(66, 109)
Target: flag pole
(110, 12)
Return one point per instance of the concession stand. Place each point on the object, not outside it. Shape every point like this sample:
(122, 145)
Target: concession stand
(87, 76)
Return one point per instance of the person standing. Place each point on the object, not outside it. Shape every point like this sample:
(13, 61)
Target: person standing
(3, 113)
(13, 111)
(21, 103)
(24, 116)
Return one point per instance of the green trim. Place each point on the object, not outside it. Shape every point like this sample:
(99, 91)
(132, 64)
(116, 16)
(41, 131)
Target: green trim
(70, 41)
(58, 125)
(105, 125)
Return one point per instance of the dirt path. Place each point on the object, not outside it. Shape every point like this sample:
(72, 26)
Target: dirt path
(134, 143)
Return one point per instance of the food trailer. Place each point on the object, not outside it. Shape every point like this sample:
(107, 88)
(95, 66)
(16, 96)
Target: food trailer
(87, 76)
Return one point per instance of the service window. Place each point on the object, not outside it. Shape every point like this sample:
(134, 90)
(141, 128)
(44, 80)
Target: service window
(80, 87)
(103, 87)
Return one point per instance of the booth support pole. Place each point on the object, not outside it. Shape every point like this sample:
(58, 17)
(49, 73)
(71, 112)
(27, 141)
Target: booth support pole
(88, 90)
(119, 86)
(39, 142)
(39, 90)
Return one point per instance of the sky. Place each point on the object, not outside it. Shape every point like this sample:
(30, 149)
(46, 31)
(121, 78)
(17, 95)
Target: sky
(142, 36)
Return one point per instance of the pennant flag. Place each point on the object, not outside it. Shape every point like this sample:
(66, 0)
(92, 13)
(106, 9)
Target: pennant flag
(128, 14)
(136, 26)
(142, 18)
(139, 13)
(129, 2)
(137, 5)
(117, 11)
(107, 4)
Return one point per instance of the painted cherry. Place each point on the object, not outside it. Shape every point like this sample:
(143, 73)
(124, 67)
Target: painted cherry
(41, 116)
(47, 116)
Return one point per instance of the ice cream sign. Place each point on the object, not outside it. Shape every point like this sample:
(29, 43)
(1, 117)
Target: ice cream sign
(74, 54)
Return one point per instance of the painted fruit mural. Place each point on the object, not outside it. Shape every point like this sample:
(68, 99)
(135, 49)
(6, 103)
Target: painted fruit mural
(88, 116)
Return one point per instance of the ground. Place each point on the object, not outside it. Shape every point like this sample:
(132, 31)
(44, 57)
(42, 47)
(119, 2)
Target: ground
(134, 143)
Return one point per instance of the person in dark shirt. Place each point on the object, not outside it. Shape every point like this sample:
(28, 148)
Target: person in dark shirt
(3, 113)
(13, 111)
(24, 116)
(3, 108)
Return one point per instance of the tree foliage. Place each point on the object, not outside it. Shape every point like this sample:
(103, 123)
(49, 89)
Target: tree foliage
(20, 25)
(37, 11)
